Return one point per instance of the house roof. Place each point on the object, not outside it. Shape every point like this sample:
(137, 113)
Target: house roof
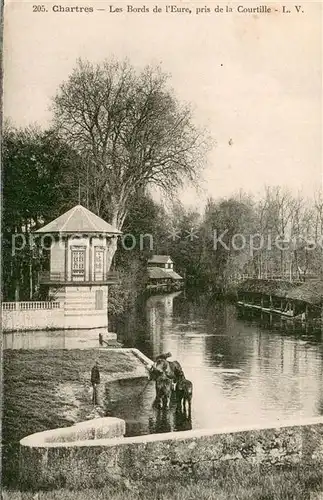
(174, 276)
(268, 287)
(156, 273)
(159, 259)
(310, 293)
(79, 220)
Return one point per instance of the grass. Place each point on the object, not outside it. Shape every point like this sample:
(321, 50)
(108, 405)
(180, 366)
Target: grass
(45, 389)
(233, 483)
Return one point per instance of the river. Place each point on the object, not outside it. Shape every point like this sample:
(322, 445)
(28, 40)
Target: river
(243, 372)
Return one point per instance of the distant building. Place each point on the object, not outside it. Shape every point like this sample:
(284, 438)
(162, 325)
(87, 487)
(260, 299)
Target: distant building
(161, 274)
(162, 261)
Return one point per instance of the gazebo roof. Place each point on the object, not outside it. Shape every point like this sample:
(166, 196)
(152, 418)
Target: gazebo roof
(79, 220)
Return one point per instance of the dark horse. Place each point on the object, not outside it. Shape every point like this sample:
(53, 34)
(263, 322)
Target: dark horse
(184, 393)
(163, 391)
(166, 375)
(172, 369)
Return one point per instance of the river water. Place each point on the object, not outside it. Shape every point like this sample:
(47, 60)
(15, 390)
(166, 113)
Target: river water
(244, 373)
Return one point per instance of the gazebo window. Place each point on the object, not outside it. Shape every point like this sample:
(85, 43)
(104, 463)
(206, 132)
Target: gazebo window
(98, 263)
(78, 263)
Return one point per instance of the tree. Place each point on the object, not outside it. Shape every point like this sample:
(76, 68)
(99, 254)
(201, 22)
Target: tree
(318, 207)
(144, 230)
(227, 225)
(146, 225)
(130, 130)
(38, 183)
(183, 242)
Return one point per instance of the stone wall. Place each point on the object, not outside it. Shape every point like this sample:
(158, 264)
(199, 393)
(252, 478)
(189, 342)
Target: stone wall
(76, 309)
(33, 319)
(80, 308)
(98, 460)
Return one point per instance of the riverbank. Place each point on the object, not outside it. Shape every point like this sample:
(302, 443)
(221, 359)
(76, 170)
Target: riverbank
(304, 482)
(45, 389)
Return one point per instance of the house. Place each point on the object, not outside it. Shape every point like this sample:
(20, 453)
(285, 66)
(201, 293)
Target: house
(161, 261)
(161, 274)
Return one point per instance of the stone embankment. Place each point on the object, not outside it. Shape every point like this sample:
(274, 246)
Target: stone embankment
(95, 453)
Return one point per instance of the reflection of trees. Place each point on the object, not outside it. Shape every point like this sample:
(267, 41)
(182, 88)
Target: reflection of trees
(159, 314)
(155, 320)
(294, 381)
(145, 324)
(221, 320)
(218, 318)
(280, 374)
(132, 328)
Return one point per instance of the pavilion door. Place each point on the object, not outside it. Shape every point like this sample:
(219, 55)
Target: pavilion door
(98, 264)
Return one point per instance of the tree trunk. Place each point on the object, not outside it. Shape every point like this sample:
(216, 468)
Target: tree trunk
(282, 267)
(111, 250)
(30, 279)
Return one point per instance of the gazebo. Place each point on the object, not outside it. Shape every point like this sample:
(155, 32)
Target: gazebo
(79, 276)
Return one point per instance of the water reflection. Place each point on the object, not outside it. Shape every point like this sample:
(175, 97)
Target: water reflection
(133, 400)
(168, 421)
(243, 373)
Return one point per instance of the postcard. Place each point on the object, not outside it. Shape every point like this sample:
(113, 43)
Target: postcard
(162, 250)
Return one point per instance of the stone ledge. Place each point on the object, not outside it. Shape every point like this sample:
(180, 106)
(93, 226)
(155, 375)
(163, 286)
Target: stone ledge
(107, 424)
(89, 455)
(96, 429)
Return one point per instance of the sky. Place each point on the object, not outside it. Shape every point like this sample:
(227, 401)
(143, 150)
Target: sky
(254, 80)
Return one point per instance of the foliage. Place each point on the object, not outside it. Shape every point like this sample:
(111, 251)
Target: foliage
(224, 222)
(131, 132)
(124, 294)
(38, 184)
(184, 244)
(117, 131)
(144, 229)
(278, 235)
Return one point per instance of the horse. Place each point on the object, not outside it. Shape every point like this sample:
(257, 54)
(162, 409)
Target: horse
(184, 393)
(172, 369)
(163, 391)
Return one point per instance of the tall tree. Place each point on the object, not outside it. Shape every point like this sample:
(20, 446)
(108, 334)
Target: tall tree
(184, 242)
(228, 225)
(38, 184)
(318, 207)
(130, 130)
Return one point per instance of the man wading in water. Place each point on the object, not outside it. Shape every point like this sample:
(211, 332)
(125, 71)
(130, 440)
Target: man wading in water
(95, 380)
